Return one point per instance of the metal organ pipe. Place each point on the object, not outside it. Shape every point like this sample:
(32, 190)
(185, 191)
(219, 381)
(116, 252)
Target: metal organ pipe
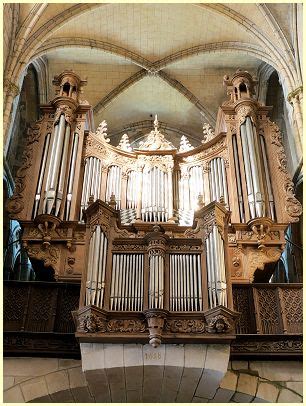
(91, 182)
(114, 184)
(132, 187)
(96, 268)
(41, 174)
(54, 165)
(63, 170)
(127, 282)
(185, 282)
(247, 168)
(238, 179)
(71, 173)
(216, 274)
(196, 185)
(218, 181)
(155, 200)
(267, 178)
(255, 168)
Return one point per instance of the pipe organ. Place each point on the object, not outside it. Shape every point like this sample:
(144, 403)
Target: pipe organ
(156, 235)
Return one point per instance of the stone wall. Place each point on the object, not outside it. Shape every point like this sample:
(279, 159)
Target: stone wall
(58, 380)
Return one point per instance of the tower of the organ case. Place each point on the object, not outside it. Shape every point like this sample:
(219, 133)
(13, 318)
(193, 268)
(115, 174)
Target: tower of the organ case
(253, 196)
(61, 145)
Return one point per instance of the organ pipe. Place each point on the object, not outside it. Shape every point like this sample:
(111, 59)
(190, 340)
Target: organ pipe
(91, 182)
(267, 178)
(113, 186)
(41, 174)
(185, 282)
(127, 282)
(62, 174)
(71, 173)
(252, 169)
(216, 273)
(238, 179)
(156, 204)
(217, 180)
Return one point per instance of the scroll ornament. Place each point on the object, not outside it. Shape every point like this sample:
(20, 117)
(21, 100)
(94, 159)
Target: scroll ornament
(15, 204)
(292, 206)
(68, 113)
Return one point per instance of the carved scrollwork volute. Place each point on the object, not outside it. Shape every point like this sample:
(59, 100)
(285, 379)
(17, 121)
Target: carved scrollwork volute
(50, 256)
(292, 206)
(15, 203)
(244, 111)
(67, 111)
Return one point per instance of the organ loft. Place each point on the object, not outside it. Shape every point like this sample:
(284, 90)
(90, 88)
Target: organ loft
(157, 235)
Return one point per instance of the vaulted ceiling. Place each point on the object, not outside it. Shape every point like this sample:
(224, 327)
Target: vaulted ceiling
(165, 59)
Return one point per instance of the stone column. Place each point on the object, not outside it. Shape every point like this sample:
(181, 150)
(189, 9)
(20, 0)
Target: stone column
(12, 91)
(295, 98)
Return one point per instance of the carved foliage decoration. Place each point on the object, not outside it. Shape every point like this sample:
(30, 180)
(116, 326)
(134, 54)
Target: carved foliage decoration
(218, 324)
(68, 113)
(267, 346)
(126, 326)
(292, 206)
(16, 203)
(257, 259)
(185, 326)
(49, 255)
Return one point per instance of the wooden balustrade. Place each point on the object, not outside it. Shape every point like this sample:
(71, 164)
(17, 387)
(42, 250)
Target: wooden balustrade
(40, 306)
(268, 308)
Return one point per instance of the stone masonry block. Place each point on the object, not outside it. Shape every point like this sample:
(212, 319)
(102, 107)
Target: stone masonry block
(267, 391)
(229, 381)
(286, 396)
(34, 388)
(247, 384)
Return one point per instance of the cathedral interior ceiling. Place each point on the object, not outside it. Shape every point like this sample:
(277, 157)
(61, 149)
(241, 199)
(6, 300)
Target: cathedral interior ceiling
(165, 59)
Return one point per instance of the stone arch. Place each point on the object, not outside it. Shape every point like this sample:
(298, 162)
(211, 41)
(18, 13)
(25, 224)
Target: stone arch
(60, 380)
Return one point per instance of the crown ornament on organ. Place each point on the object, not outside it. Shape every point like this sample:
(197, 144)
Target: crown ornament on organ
(156, 140)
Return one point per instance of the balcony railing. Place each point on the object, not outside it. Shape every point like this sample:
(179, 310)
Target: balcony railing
(268, 308)
(37, 318)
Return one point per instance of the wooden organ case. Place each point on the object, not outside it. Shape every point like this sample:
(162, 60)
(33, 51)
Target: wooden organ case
(156, 234)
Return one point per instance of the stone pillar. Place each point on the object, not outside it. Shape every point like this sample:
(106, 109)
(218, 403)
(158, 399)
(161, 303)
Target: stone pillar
(295, 98)
(12, 91)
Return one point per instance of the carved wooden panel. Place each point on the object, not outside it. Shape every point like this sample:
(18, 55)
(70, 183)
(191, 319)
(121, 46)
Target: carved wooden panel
(243, 303)
(14, 306)
(268, 312)
(42, 303)
(68, 300)
(293, 309)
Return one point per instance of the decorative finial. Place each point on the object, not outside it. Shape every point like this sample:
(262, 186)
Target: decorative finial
(124, 143)
(112, 201)
(185, 144)
(102, 131)
(155, 123)
(208, 133)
